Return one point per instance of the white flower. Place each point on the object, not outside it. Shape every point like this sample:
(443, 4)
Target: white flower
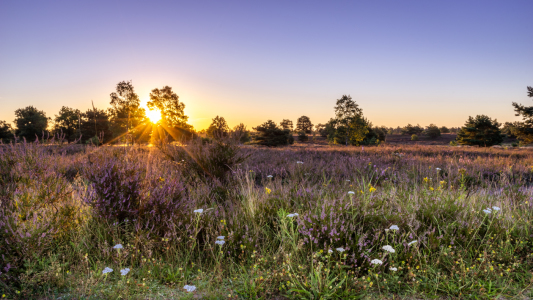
(125, 271)
(118, 246)
(107, 270)
(412, 242)
(394, 227)
(393, 269)
(330, 251)
(219, 242)
(388, 248)
(438, 169)
(340, 249)
(495, 208)
(199, 210)
(190, 288)
(348, 180)
(220, 237)
(351, 193)
(292, 215)
(299, 162)
(487, 211)
(270, 176)
(376, 262)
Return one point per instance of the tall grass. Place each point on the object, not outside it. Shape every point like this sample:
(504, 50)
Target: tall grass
(313, 230)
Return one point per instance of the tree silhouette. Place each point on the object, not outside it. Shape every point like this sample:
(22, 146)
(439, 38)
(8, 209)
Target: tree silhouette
(269, 134)
(350, 126)
(286, 124)
(218, 128)
(125, 113)
(67, 122)
(304, 125)
(524, 130)
(5, 131)
(172, 110)
(30, 122)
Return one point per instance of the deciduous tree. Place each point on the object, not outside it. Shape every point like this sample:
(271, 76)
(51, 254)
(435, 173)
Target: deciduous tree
(30, 122)
(67, 122)
(304, 124)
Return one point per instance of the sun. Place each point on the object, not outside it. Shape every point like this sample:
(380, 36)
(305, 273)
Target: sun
(153, 115)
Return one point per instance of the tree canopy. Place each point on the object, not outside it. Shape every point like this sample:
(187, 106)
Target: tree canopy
(269, 134)
(304, 124)
(125, 113)
(524, 130)
(30, 122)
(67, 122)
(286, 124)
(218, 128)
(5, 131)
(480, 131)
(172, 110)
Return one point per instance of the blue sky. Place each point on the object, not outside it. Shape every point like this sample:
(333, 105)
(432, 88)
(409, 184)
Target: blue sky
(248, 61)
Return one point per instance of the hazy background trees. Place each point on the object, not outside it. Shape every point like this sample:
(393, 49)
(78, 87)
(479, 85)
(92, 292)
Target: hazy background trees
(432, 131)
(304, 125)
(30, 123)
(68, 122)
(269, 134)
(6, 132)
(218, 128)
(286, 124)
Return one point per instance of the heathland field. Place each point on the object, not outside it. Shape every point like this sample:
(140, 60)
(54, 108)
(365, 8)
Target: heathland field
(223, 221)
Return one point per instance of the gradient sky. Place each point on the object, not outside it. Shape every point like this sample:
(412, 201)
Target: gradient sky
(249, 61)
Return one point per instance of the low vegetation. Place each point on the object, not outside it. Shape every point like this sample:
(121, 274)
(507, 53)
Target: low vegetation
(218, 220)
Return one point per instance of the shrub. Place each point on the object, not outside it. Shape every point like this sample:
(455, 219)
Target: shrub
(302, 137)
(432, 131)
(414, 137)
(269, 134)
(410, 129)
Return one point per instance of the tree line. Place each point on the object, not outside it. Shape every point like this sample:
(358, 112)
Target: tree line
(126, 121)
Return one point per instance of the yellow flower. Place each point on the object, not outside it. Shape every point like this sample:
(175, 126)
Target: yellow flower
(431, 188)
(426, 179)
(372, 189)
(267, 190)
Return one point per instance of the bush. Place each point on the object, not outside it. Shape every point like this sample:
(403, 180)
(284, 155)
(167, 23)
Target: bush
(302, 137)
(414, 137)
(269, 134)
(432, 131)
(410, 129)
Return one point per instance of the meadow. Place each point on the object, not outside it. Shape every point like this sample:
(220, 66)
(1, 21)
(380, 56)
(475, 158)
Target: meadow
(226, 221)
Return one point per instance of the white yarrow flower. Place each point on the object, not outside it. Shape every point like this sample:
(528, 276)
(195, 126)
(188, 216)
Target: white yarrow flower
(125, 271)
(190, 288)
(299, 162)
(376, 262)
(495, 208)
(438, 169)
(270, 176)
(221, 237)
(351, 193)
(118, 246)
(388, 248)
(393, 269)
(394, 227)
(292, 215)
(487, 211)
(412, 242)
(330, 251)
(107, 270)
(340, 249)
(219, 242)
(199, 210)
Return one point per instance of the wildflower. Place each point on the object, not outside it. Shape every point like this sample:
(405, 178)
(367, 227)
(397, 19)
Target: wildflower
(351, 193)
(292, 215)
(198, 211)
(340, 249)
(268, 191)
(330, 251)
(219, 242)
(190, 288)
(372, 189)
(220, 237)
(299, 162)
(393, 269)
(487, 211)
(426, 179)
(124, 272)
(270, 176)
(107, 270)
(376, 262)
(348, 180)
(118, 246)
(495, 208)
(394, 227)
(438, 169)
(388, 248)
(412, 242)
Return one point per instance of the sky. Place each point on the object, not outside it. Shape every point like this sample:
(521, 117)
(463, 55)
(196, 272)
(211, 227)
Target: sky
(417, 62)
